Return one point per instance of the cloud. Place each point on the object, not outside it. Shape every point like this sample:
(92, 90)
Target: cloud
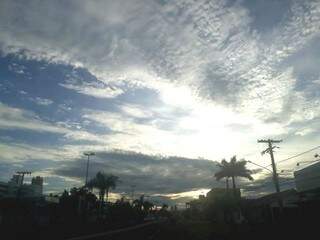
(131, 133)
(20, 119)
(265, 185)
(42, 101)
(220, 80)
(172, 177)
(19, 152)
(16, 68)
(77, 82)
(96, 91)
(150, 173)
(304, 132)
(196, 44)
(15, 118)
(199, 44)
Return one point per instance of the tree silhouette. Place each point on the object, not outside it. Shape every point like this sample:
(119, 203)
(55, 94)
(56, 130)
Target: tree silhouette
(232, 170)
(103, 182)
(224, 172)
(147, 206)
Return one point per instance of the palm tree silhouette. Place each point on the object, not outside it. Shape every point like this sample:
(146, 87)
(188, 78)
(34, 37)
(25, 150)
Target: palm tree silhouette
(223, 172)
(232, 170)
(103, 182)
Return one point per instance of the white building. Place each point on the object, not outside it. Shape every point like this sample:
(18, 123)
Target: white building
(16, 188)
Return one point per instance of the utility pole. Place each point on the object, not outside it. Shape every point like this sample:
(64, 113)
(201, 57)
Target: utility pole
(88, 154)
(274, 168)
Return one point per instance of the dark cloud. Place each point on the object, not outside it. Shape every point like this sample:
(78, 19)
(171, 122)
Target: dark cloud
(263, 22)
(150, 174)
(265, 185)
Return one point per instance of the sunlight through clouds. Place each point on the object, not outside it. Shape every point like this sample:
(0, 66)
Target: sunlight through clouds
(174, 78)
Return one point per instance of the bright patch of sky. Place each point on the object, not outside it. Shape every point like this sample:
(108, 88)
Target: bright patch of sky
(196, 79)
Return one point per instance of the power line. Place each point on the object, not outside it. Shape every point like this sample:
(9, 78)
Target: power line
(259, 165)
(297, 155)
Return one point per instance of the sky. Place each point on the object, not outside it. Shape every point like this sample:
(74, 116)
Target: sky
(160, 90)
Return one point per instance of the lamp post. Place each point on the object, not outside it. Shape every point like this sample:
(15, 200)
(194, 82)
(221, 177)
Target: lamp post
(88, 154)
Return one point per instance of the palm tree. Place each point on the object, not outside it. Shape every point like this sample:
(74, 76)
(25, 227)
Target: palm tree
(233, 169)
(103, 182)
(224, 172)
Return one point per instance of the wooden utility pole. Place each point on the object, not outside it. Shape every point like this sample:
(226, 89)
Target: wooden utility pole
(274, 168)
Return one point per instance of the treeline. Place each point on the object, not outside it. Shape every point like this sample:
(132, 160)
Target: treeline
(75, 212)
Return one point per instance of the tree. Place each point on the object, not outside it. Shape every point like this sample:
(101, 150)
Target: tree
(77, 202)
(232, 170)
(224, 172)
(103, 182)
(147, 206)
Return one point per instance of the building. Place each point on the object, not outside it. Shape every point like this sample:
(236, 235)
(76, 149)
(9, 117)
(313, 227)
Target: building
(8, 189)
(16, 188)
(17, 179)
(37, 185)
(289, 198)
(218, 192)
(308, 178)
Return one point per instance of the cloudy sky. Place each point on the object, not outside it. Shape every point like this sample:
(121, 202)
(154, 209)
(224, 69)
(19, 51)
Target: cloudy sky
(160, 90)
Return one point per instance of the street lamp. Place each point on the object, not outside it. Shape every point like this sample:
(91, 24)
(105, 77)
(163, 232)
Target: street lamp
(88, 154)
(132, 191)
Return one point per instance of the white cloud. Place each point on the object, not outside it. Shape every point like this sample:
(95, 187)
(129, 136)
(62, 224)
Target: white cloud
(137, 111)
(95, 91)
(15, 118)
(304, 132)
(16, 68)
(204, 57)
(42, 101)
(13, 152)
(201, 132)
(183, 42)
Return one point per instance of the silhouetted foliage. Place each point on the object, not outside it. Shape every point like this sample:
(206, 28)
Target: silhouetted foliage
(232, 170)
(104, 183)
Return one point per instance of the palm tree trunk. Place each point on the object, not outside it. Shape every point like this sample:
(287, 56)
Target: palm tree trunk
(234, 186)
(227, 184)
(107, 194)
(101, 196)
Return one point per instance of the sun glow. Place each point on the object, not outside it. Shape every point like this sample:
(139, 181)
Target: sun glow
(192, 194)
